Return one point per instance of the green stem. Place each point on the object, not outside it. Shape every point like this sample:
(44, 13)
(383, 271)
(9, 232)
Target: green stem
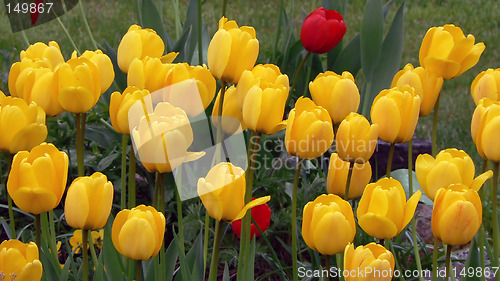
(85, 239)
(138, 8)
(340, 264)
(296, 77)
(131, 179)
(123, 194)
(496, 230)
(278, 31)
(200, 45)
(224, 5)
(86, 23)
(180, 224)
(215, 254)
(25, 38)
(205, 241)
(434, 259)
(434, 128)
(481, 228)
(416, 251)
(53, 247)
(92, 250)
(12, 222)
(139, 270)
(58, 19)
(448, 261)
(156, 194)
(389, 160)
(327, 267)
(38, 232)
(388, 242)
(80, 136)
(218, 147)
(348, 182)
(294, 221)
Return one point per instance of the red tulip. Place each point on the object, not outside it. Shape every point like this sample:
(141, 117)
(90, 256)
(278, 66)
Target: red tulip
(322, 30)
(262, 216)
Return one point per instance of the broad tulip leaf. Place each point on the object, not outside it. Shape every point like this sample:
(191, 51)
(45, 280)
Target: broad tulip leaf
(151, 19)
(372, 32)
(349, 59)
(106, 161)
(112, 260)
(473, 260)
(225, 274)
(170, 261)
(182, 259)
(402, 176)
(120, 77)
(194, 258)
(337, 5)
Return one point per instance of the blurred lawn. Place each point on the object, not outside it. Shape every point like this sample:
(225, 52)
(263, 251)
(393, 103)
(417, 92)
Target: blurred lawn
(109, 20)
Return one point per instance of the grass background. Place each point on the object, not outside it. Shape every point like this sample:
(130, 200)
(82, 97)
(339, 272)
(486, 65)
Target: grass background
(109, 20)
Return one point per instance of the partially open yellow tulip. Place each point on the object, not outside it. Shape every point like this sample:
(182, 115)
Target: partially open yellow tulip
(485, 129)
(119, 106)
(37, 178)
(369, 262)
(325, 218)
(104, 66)
(232, 118)
(19, 261)
(383, 211)
(486, 85)
(222, 192)
(50, 54)
(449, 167)
(356, 139)
(149, 73)
(457, 214)
(138, 233)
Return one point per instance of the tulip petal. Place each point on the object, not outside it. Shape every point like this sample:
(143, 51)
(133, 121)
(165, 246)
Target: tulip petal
(478, 182)
(32, 271)
(34, 200)
(218, 52)
(332, 224)
(410, 208)
(28, 137)
(377, 226)
(459, 223)
(118, 223)
(138, 239)
(250, 205)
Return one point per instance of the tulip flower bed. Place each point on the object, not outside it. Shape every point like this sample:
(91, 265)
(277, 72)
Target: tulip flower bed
(217, 155)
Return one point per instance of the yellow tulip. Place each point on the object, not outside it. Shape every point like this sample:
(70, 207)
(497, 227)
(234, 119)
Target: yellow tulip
(232, 118)
(232, 50)
(104, 66)
(446, 52)
(50, 54)
(356, 139)
(76, 240)
(88, 202)
(373, 260)
(451, 166)
(457, 214)
(262, 75)
(426, 85)
(485, 129)
(37, 178)
(396, 112)
(309, 131)
(19, 261)
(138, 43)
(336, 93)
(486, 85)
(149, 73)
(162, 138)
(191, 88)
(138, 233)
(337, 177)
(119, 106)
(325, 218)
(22, 125)
(383, 211)
(222, 192)
(78, 85)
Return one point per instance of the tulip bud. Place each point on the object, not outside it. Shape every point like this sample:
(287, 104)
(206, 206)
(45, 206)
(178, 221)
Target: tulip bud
(322, 30)
(37, 179)
(451, 166)
(104, 66)
(485, 129)
(232, 50)
(396, 113)
(457, 214)
(338, 94)
(138, 43)
(78, 85)
(88, 202)
(325, 216)
(356, 139)
(19, 261)
(261, 215)
(425, 84)
(22, 125)
(383, 211)
(486, 85)
(222, 192)
(337, 177)
(446, 52)
(232, 118)
(119, 106)
(138, 233)
(309, 131)
(372, 262)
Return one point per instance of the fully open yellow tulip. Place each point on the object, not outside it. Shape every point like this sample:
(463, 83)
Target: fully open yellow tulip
(328, 224)
(37, 179)
(449, 167)
(88, 202)
(383, 211)
(19, 261)
(372, 262)
(457, 214)
(138, 233)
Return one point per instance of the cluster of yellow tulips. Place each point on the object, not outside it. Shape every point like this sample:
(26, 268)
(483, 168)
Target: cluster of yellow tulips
(42, 85)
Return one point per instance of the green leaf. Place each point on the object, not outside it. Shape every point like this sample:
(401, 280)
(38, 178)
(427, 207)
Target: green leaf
(194, 258)
(402, 176)
(102, 138)
(349, 59)
(250, 261)
(99, 272)
(182, 260)
(225, 275)
(473, 260)
(151, 19)
(120, 77)
(112, 260)
(106, 161)
(372, 31)
(170, 260)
